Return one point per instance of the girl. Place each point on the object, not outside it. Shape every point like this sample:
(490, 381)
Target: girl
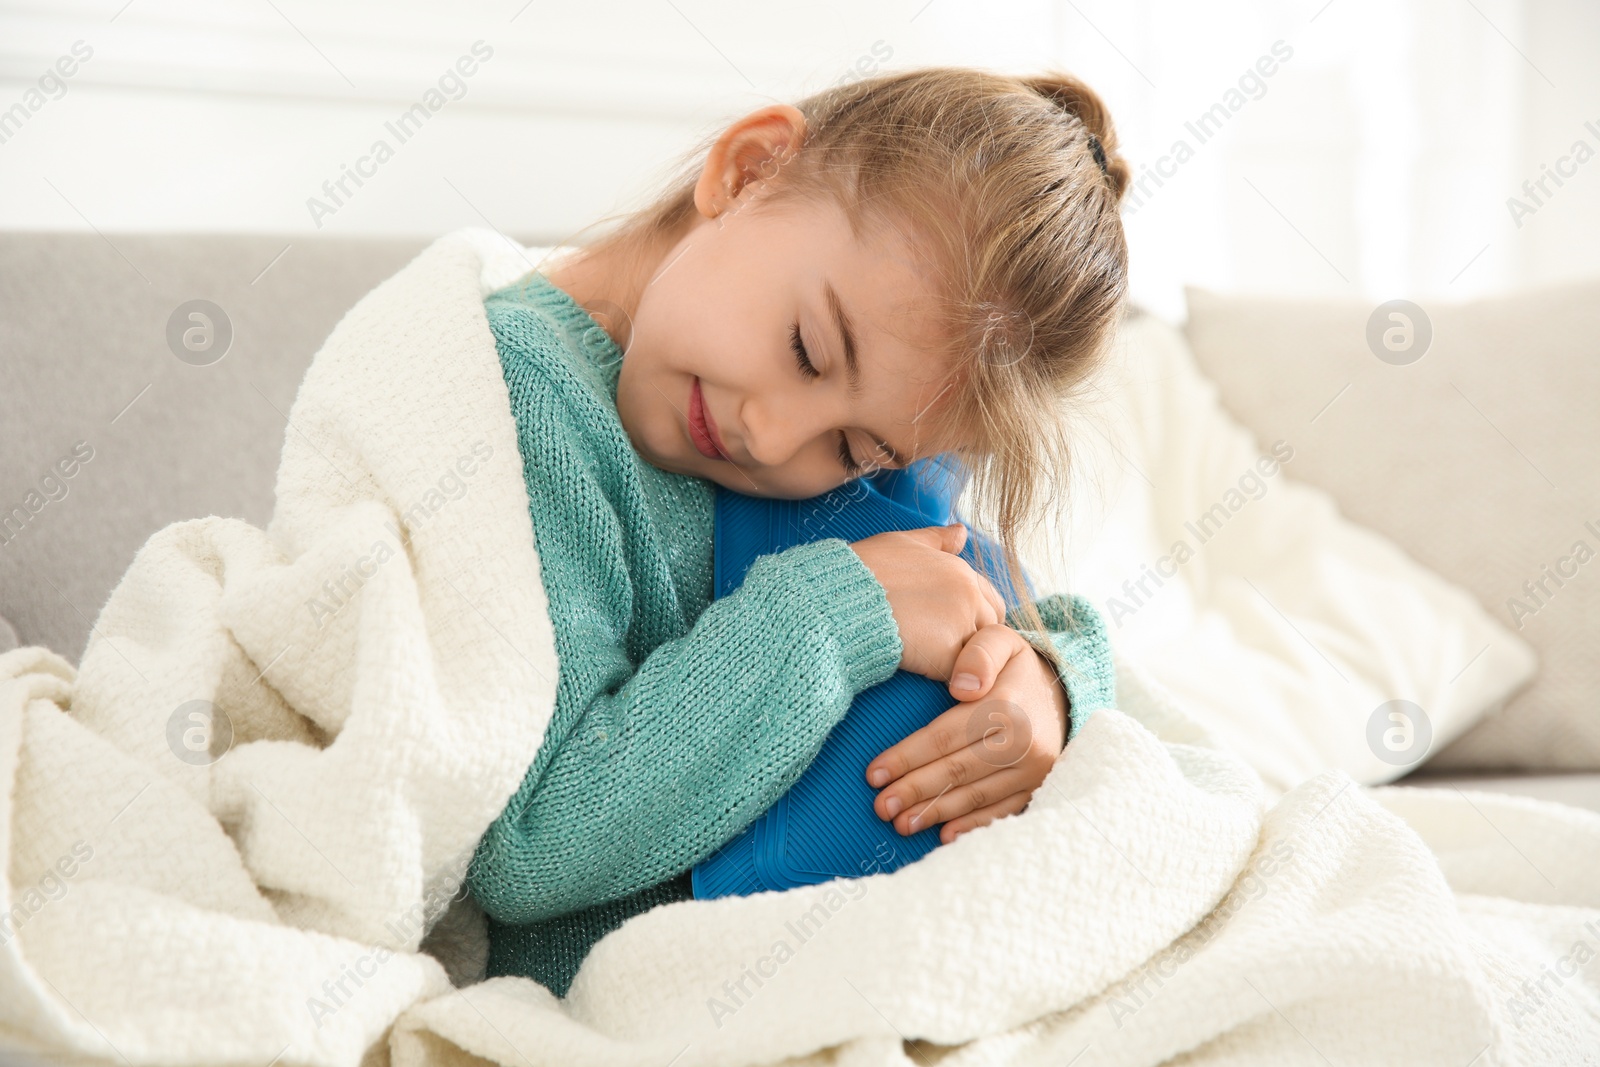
(912, 264)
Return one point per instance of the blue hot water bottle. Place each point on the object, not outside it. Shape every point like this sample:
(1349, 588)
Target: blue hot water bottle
(824, 826)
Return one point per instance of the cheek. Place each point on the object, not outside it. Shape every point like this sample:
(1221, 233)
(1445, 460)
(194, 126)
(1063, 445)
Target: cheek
(714, 314)
(647, 416)
(676, 340)
(653, 333)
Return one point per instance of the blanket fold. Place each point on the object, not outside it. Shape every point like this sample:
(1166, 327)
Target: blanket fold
(232, 830)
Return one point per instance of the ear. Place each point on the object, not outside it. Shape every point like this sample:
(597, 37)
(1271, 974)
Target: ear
(748, 152)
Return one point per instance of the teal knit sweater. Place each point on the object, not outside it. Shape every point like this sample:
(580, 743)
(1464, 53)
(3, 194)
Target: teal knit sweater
(678, 719)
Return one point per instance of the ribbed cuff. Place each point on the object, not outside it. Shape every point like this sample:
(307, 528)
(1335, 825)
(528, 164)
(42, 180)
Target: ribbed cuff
(852, 600)
(1078, 634)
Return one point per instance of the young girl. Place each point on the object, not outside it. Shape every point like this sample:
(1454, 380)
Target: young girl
(917, 263)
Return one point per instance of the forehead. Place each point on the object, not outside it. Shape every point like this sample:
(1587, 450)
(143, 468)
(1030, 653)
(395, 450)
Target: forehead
(880, 268)
(878, 281)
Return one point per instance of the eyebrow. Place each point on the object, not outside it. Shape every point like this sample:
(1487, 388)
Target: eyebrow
(852, 362)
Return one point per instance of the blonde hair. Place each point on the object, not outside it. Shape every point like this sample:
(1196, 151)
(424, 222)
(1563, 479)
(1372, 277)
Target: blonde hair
(998, 177)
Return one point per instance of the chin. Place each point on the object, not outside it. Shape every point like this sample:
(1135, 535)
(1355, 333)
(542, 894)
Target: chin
(688, 464)
(666, 461)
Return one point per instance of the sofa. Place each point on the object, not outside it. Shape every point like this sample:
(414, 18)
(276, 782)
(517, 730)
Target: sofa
(149, 379)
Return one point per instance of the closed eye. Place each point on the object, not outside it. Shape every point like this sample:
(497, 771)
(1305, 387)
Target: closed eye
(803, 361)
(851, 467)
(809, 370)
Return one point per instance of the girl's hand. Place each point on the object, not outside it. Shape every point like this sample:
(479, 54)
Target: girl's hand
(939, 601)
(984, 757)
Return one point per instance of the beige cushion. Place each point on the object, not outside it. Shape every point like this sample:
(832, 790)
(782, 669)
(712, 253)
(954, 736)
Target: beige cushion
(1285, 628)
(1479, 458)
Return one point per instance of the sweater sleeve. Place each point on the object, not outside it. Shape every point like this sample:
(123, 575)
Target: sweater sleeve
(1078, 634)
(665, 761)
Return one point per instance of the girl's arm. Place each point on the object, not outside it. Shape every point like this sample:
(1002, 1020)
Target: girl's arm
(653, 761)
(939, 775)
(1078, 633)
(662, 762)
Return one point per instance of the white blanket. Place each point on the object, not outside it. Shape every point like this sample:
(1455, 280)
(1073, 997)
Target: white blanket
(226, 833)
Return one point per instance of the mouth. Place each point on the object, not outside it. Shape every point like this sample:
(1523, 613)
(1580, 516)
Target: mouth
(702, 430)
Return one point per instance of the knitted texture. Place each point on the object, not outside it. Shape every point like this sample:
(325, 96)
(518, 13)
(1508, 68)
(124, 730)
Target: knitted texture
(1078, 634)
(678, 719)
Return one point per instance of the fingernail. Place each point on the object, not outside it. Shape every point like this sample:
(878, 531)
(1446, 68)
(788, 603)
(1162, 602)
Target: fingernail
(893, 806)
(916, 820)
(878, 777)
(964, 681)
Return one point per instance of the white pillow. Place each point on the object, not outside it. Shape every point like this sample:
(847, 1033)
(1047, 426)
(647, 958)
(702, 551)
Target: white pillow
(1288, 630)
(1475, 451)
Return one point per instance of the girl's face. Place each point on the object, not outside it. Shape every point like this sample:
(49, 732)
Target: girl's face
(773, 353)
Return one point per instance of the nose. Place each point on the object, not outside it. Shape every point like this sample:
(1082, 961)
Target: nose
(776, 428)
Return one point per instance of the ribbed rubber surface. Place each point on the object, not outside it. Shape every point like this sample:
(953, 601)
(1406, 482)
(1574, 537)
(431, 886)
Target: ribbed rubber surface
(824, 827)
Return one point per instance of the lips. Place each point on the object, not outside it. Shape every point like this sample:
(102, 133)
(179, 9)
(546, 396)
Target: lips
(701, 429)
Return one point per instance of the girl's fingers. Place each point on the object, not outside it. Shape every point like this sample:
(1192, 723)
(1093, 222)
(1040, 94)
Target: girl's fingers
(979, 662)
(951, 538)
(955, 537)
(945, 801)
(1011, 805)
(942, 736)
(996, 602)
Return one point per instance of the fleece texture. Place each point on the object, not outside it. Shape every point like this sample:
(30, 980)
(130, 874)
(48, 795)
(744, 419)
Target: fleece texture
(280, 884)
(678, 720)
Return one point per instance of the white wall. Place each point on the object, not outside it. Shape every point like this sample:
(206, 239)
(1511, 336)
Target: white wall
(1562, 239)
(1376, 160)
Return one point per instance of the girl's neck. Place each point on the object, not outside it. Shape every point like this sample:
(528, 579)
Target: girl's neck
(609, 276)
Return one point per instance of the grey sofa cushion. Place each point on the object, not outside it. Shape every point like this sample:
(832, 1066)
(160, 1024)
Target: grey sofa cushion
(87, 366)
(1473, 449)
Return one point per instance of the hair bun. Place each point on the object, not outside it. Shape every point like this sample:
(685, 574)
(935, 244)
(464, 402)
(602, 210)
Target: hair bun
(1075, 97)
